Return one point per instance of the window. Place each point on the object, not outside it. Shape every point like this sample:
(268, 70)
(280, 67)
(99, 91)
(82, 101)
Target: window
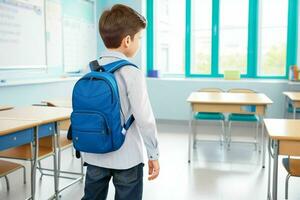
(201, 36)
(233, 35)
(273, 35)
(258, 38)
(169, 38)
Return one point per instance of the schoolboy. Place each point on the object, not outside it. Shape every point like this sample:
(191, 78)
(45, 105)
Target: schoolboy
(121, 30)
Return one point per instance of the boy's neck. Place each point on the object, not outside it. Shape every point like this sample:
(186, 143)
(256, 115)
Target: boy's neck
(119, 50)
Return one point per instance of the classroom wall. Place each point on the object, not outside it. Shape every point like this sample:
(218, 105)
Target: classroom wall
(34, 92)
(168, 96)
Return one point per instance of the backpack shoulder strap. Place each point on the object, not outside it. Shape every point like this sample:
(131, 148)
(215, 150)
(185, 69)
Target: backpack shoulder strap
(114, 66)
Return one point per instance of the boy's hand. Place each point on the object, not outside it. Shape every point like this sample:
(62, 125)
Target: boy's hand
(153, 169)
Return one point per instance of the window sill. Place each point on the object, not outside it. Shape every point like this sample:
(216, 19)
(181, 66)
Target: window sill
(247, 80)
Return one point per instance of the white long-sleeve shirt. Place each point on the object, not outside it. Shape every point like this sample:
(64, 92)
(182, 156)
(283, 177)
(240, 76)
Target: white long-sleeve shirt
(134, 100)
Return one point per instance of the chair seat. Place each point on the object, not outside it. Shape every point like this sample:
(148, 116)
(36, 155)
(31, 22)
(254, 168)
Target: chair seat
(292, 166)
(209, 116)
(7, 167)
(243, 117)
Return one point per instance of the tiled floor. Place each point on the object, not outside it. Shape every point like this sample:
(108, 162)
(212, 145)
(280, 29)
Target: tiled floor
(214, 174)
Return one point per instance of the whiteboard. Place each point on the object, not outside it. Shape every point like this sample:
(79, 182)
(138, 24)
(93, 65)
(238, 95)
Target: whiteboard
(22, 34)
(79, 34)
(47, 34)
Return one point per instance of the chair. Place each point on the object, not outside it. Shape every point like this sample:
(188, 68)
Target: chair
(211, 116)
(292, 166)
(62, 144)
(7, 167)
(234, 117)
(290, 109)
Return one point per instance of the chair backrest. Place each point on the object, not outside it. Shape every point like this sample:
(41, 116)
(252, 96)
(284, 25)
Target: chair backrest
(293, 166)
(241, 90)
(210, 90)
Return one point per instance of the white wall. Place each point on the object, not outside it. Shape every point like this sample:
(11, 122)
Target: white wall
(167, 96)
(27, 94)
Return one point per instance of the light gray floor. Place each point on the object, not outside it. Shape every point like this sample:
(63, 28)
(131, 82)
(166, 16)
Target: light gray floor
(214, 174)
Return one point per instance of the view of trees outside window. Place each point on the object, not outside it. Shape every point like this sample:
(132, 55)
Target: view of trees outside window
(169, 38)
(201, 37)
(273, 37)
(233, 40)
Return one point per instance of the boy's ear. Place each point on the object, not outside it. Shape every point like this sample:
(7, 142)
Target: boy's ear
(127, 41)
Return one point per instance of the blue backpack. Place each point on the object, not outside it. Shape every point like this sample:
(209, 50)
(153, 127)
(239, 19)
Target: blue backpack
(95, 121)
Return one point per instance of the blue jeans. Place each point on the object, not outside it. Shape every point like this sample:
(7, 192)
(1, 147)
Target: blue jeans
(128, 183)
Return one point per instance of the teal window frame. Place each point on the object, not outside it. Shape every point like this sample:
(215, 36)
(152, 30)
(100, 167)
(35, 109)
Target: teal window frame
(253, 34)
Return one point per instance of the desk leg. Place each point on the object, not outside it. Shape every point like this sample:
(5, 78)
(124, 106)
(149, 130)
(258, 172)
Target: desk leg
(286, 107)
(55, 162)
(35, 149)
(269, 169)
(263, 143)
(275, 170)
(32, 176)
(190, 134)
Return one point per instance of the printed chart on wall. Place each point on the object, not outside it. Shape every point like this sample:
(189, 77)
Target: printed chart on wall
(22, 34)
(79, 34)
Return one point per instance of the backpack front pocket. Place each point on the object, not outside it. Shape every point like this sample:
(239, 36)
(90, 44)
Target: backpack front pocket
(90, 132)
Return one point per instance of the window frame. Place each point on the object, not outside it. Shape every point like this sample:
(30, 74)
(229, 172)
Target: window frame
(254, 14)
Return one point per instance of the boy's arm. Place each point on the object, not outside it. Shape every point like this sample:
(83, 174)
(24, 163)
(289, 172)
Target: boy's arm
(142, 111)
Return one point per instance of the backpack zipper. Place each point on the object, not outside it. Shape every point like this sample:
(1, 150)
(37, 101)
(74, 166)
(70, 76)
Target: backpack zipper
(110, 86)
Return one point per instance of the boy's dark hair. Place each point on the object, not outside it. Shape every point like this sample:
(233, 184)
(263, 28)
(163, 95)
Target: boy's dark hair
(117, 23)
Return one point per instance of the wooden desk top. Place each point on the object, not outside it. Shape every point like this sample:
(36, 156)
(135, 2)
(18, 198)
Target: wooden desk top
(294, 96)
(229, 98)
(43, 114)
(11, 125)
(5, 107)
(58, 103)
(283, 129)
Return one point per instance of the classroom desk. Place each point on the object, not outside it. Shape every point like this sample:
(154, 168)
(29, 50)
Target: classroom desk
(294, 97)
(284, 139)
(14, 133)
(243, 103)
(49, 118)
(63, 142)
(58, 103)
(63, 103)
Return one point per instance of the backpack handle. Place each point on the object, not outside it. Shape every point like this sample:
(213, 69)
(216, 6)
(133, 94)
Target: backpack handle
(94, 66)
